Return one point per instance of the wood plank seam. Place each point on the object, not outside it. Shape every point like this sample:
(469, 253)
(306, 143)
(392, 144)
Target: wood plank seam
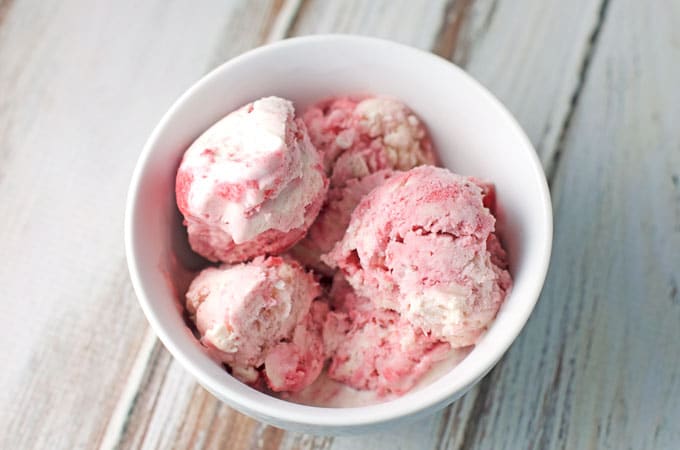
(5, 6)
(148, 375)
(285, 20)
(461, 52)
(443, 430)
(126, 403)
(552, 165)
(491, 14)
(478, 408)
(455, 13)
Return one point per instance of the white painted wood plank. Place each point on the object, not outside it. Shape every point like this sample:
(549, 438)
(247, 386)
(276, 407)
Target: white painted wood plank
(82, 84)
(609, 370)
(172, 411)
(597, 366)
(119, 417)
(412, 22)
(529, 53)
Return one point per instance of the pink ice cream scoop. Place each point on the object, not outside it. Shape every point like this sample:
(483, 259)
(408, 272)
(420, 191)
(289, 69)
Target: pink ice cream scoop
(261, 313)
(251, 184)
(373, 348)
(331, 223)
(423, 244)
(360, 137)
(294, 364)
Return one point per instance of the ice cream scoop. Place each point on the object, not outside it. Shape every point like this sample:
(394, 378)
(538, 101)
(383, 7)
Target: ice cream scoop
(358, 137)
(423, 244)
(251, 184)
(294, 364)
(258, 317)
(373, 348)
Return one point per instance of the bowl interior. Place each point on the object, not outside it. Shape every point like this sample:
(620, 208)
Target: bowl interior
(472, 133)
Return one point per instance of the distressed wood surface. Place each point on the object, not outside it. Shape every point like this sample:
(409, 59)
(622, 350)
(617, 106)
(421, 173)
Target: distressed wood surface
(81, 86)
(593, 82)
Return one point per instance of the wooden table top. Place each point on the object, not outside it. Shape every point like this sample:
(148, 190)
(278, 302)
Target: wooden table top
(596, 85)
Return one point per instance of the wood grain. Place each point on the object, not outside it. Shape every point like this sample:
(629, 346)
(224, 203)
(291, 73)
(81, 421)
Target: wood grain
(455, 17)
(591, 81)
(594, 367)
(82, 85)
(413, 22)
(531, 61)
(615, 294)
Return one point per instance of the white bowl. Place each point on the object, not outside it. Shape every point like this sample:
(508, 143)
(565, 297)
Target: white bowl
(473, 134)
